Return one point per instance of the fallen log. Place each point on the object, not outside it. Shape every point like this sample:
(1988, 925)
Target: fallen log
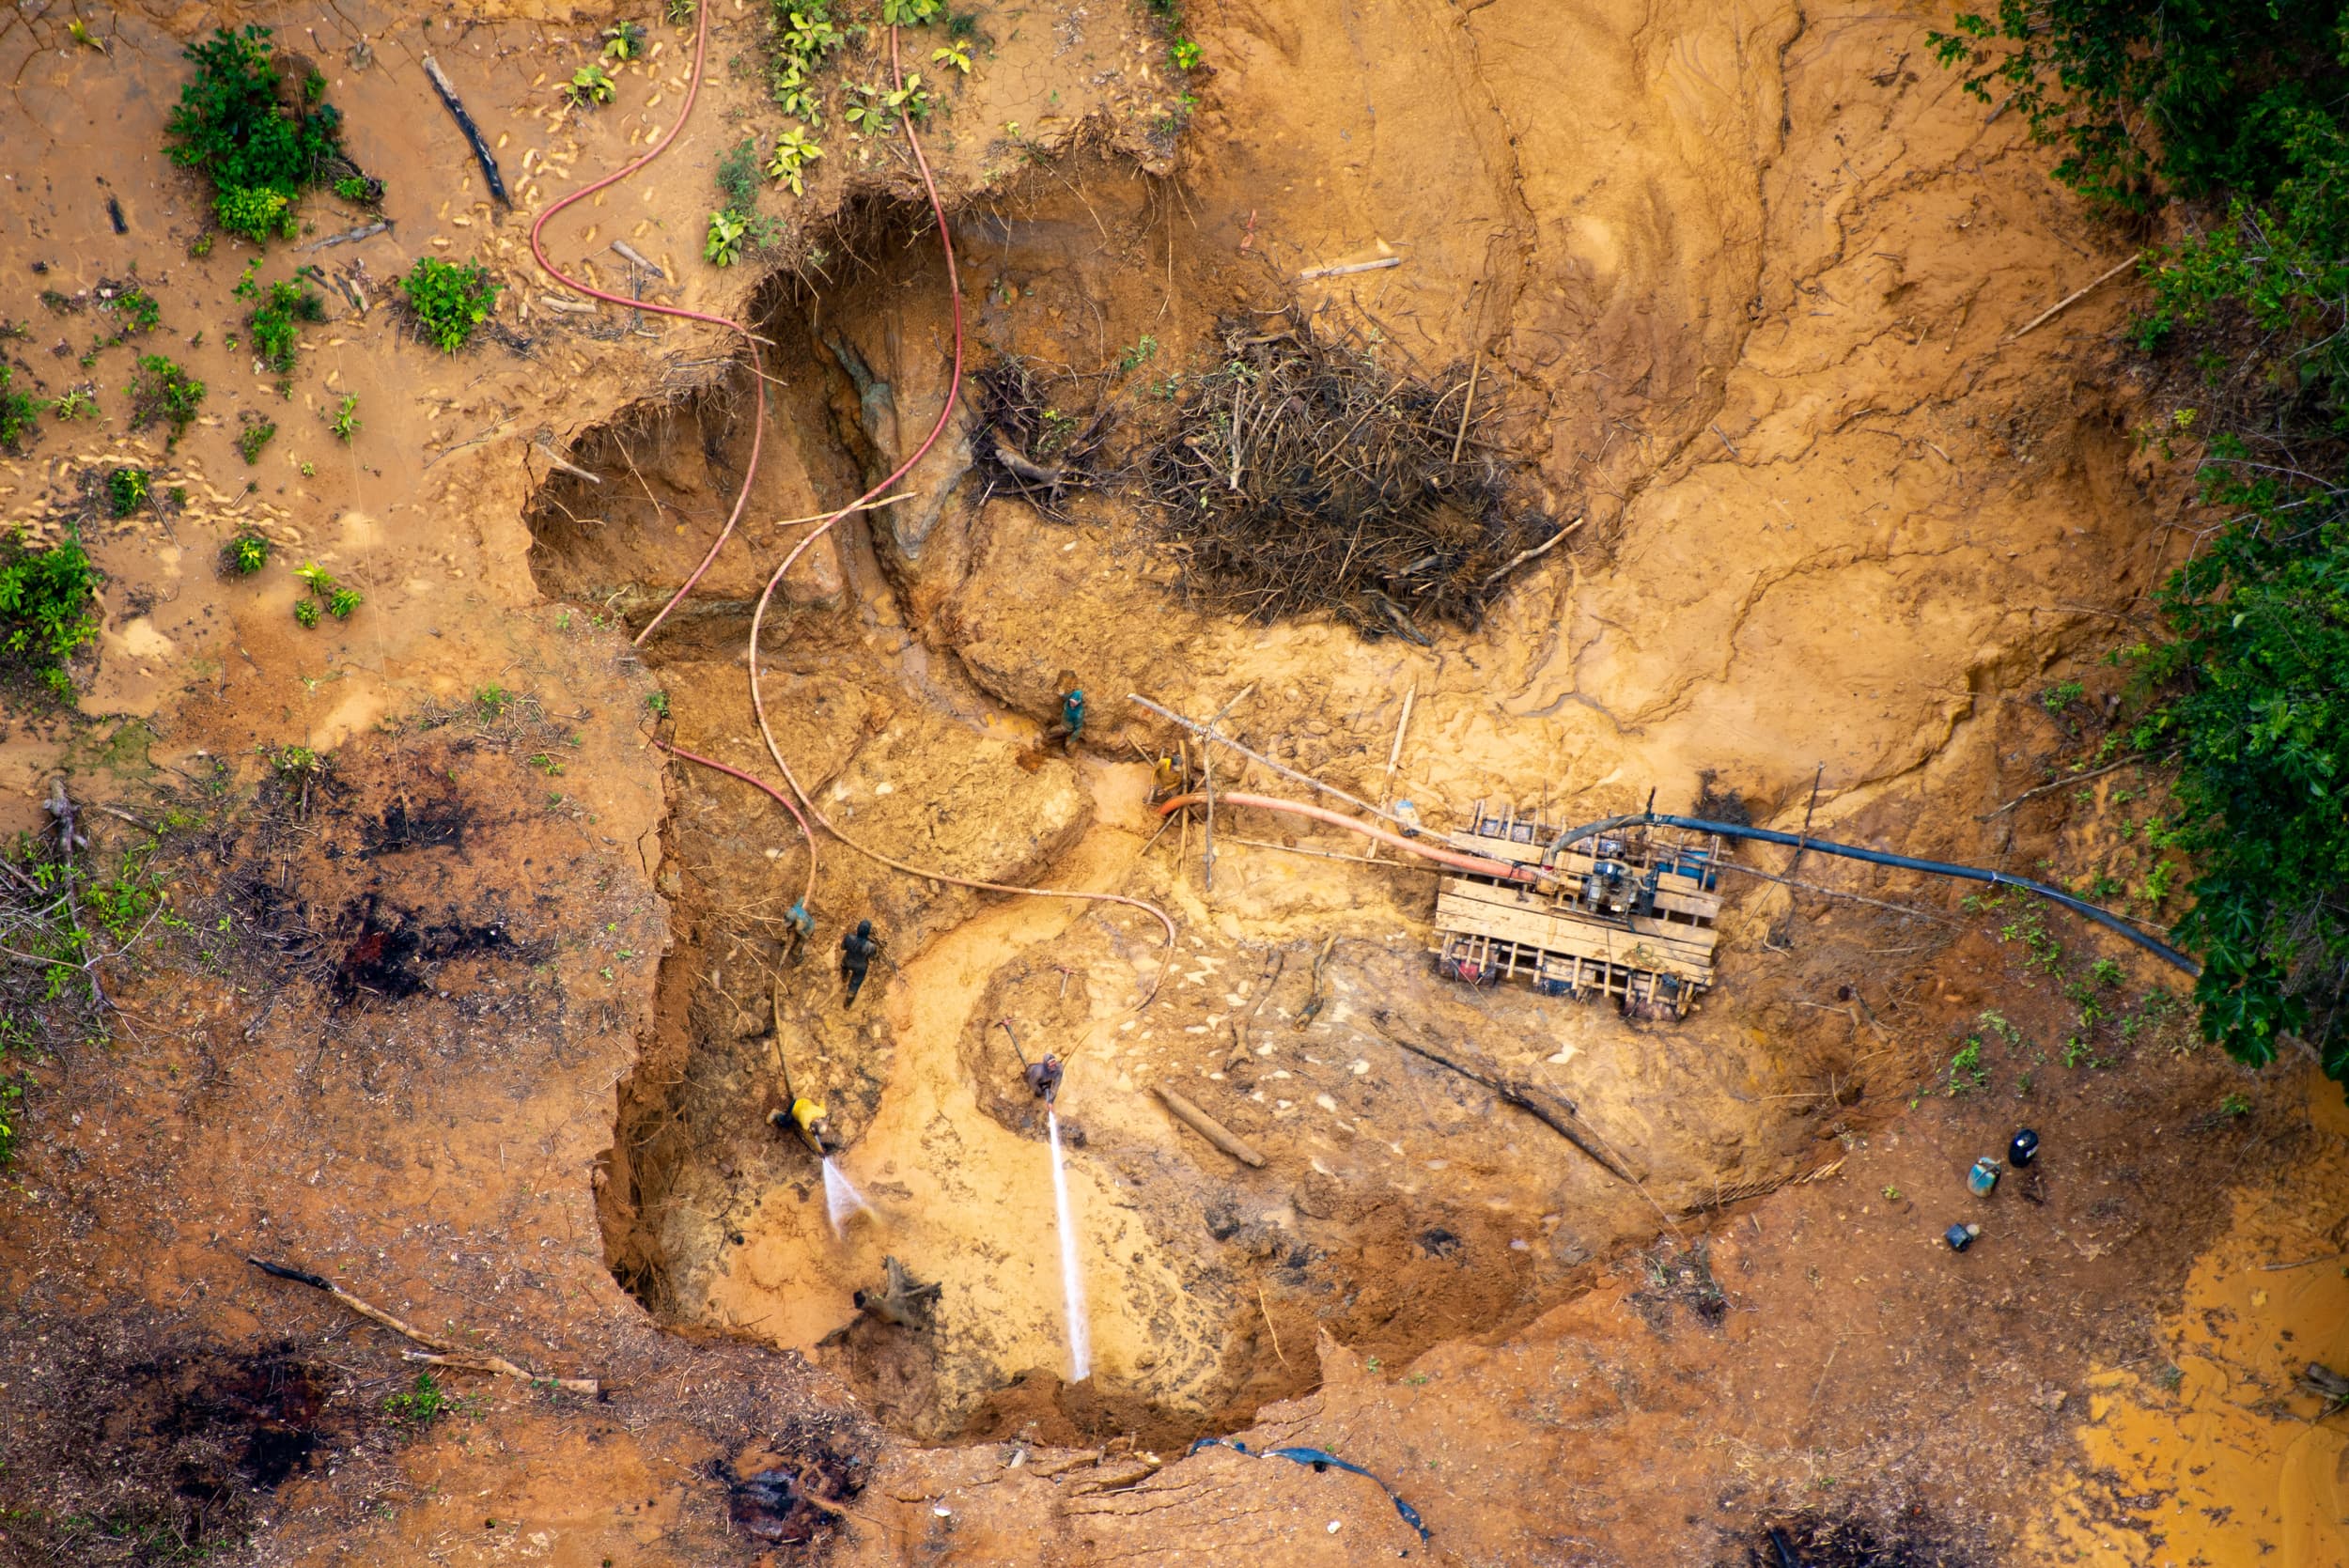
(1555, 1111)
(472, 132)
(1208, 1127)
(443, 1353)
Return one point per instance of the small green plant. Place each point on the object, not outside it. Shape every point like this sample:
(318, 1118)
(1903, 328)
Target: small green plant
(161, 390)
(358, 187)
(80, 403)
(46, 615)
(492, 702)
(19, 411)
(2106, 971)
(79, 32)
(2055, 698)
(306, 613)
(345, 424)
(1967, 1072)
(955, 56)
(292, 762)
(314, 578)
(794, 151)
(200, 247)
(419, 1404)
(875, 111)
(245, 554)
(723, 247)
(342, 602)
(588, 86)
(138, 310)
(679, 12)
(308, 470)
(1892, 1194)
(253, 438)
(738, 175)
(910, 13)
(449, 299)
(625, 42)
(2234, 1105)
(659, 702)
(1183, 55)
(127, 490)
(1133, 358)
(276, 324)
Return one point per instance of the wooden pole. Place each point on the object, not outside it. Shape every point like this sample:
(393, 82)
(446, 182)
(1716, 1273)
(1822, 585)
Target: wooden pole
(1208, 1127)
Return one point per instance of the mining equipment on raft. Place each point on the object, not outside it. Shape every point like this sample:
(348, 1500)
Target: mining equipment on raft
(1628, 915)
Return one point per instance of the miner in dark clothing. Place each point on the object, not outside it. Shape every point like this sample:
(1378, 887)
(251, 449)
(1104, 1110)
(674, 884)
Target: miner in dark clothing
(1043, 1079)
(858, 950)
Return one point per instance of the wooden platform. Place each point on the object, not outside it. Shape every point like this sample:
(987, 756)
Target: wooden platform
(1648, 939)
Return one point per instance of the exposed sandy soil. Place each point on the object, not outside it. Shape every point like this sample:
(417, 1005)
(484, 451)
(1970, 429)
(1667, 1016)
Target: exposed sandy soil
(487, 1036)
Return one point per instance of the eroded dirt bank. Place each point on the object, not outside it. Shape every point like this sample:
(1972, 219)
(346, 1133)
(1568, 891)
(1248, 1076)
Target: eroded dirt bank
(492, 1038)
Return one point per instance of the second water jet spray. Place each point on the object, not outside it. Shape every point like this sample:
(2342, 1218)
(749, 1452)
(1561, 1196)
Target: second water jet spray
(1042, 1078)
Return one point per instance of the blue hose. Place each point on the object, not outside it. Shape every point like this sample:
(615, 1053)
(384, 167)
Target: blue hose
(1877, 857)
(1322, 1460)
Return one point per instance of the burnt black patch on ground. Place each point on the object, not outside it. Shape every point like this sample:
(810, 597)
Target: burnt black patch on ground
(797, 1491)
(389, 954)
(1678, 1277)
(123, 1446)
(402, 827)
(1817, 1540)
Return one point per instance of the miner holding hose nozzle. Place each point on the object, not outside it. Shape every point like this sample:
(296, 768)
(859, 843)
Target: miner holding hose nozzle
(1042, 1076)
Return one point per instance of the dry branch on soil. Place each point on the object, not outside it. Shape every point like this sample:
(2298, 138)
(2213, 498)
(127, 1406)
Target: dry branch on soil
(1302, 477)
(1028, 447)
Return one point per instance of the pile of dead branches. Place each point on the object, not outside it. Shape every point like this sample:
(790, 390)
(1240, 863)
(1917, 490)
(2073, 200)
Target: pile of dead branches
(1302, 476)
(1030, 446)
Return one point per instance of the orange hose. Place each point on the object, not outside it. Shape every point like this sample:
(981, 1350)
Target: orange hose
(1477, 863)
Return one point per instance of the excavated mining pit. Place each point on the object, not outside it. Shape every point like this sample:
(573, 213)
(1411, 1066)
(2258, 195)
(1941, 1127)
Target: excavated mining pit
(1740, 288)
(907, 668)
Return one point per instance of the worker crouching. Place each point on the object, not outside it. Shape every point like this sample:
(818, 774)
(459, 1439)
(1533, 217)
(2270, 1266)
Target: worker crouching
(808, 1121)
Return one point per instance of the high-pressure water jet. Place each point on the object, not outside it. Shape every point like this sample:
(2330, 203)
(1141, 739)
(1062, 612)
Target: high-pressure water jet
(1072, 1280)
(842, 1201)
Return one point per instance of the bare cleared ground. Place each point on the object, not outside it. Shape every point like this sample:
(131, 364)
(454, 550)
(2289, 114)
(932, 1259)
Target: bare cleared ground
(485, 1037)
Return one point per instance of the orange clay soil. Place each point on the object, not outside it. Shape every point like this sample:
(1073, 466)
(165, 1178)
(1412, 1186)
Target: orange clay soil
(488, 1033)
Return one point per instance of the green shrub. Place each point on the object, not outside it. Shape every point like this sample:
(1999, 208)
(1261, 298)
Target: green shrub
(245, 554)
(723, 247)
(138, 310)
(161, 390)
(127, 490)
(794, 151)
(276, 322)
(420, 1405)
(910, 13)
(46, 615)
(449, 299)
(231, 127)
(345, 423)
(342, 602)
(253, 438)
(306, 613)
(589, 85)
(20, 412)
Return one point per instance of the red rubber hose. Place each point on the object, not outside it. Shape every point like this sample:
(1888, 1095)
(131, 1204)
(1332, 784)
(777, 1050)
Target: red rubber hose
(758, 371)
(946, 413)
(788, 804)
